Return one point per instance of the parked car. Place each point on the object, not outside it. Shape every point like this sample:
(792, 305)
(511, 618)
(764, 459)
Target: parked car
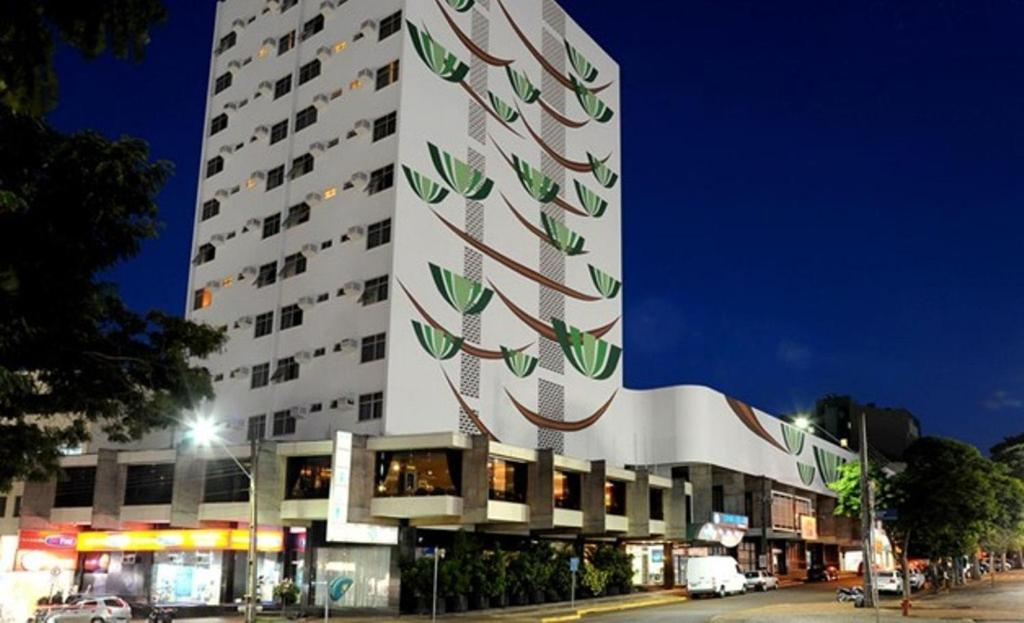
(761, 581)
(916, 579)
(714, 575)
(102, 609)
(819, 573)
(889, 582)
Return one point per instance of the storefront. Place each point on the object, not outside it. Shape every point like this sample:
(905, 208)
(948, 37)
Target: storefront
(649, 564)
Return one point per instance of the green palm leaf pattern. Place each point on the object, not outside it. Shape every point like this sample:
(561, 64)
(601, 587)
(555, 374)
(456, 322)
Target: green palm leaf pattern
(828, 464)
(592, 104)
(424, 187)
(521, 364)
(461, 5)
(506, 112)
(522, 86)
(541, 187)
(580, 64)
(593, 204)
(561, 237)
(440, 61)
(460, 177)
(465, 295)
(591, 356)
(607, 285)
(806, 473)
(439, 343)
(793, 437)
(605, 176)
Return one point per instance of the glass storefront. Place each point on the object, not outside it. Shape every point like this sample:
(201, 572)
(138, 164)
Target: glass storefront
(568, 490)
(506, 480)
(187, 577)
(361, 574)
(419, 472)
(648, 563)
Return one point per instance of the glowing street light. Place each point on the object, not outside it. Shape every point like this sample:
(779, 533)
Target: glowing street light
(802, 422)
(203, 431)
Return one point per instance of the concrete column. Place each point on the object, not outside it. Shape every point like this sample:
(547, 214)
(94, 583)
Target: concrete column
(108, 494)
(361, 480)
(541, 490)
(638, 505)
(701, 479)
(271, 485)
(475, 480)
(36, 504)
(675, 510)
(593, 499)
(734, 488)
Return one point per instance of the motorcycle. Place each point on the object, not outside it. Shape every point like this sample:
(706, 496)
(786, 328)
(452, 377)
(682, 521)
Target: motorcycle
(161, 615)
(854, 594)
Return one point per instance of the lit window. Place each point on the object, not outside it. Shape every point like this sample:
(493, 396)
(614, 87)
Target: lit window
(355, 84)
(340, 46)
(330, 192)
(388, 74)
(202, 298)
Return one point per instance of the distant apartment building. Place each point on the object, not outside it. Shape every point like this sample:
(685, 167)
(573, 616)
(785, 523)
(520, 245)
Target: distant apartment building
(890, 430)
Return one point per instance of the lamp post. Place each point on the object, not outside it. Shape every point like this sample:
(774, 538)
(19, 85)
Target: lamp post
(204, 432)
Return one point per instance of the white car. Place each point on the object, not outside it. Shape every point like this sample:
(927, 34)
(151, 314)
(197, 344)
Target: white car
(92, 610)
(889, 582)
(916, 580)
(761, 581)
(714, 575)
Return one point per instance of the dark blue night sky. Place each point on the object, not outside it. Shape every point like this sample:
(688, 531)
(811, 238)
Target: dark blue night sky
(819, 196)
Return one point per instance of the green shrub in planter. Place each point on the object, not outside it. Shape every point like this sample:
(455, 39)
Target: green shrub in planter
(594, 580)
(495, 585)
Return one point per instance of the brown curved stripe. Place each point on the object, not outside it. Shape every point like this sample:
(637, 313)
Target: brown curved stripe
(515, 266)
(467, 41)
(749, 419)
(469, 349)
(542, 328)
(558, 201)
(536, 231)
(548, 67)
(470, 413)
(573, 165)
(567, 427)
(560, 118)
(487, 107)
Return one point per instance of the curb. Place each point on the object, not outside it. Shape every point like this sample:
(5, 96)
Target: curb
(582, 612)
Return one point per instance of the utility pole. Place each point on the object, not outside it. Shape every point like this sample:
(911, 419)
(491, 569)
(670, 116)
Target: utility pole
(250, 606)
(867, 517)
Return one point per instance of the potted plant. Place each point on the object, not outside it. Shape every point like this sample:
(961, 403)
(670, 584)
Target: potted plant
(561, 576)
(623, 574)
(520, 583)
(496, 568)
(456, 584)
(593, 579)
(542, 570)
(286, 593)
(479, 585)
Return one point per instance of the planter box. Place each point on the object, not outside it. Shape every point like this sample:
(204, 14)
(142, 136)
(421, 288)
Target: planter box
(458, 603)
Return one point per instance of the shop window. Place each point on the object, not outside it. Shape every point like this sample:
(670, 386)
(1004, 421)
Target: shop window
(375, 290)
(387, 75)
(75, 487)
(615, 497)
(657, 504)
(385, 126)
(308, 478)
(149, 484)
(371, 406)
(305, 118)
(718, 499)
(225, 482)
(390, 25)
(568, 490)
(309, 71)
(378, 234)
(260, 376)
(418, 473)
(506, 480)
(256, 428)
(374, 347)
(381, 179)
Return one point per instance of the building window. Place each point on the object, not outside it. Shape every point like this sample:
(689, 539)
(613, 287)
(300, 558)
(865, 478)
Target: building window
(278, 131)
(615, 497)
(717, 499)
(267, 275)
(308, 478)
(309, 71)
(207, 253)
(271, 225)
(75, 487)
(506, 480)
(149, 484)
(287, 370)
(294, 264)
(260, 376)
(17, 506)
(371, 406)
(287, 4)
(388, 74)
(202, 298)
(787, 510)
(381, 179)
(374, 347)
(297, 215)
(418, 473)
(302, 165)
(3, 506)
(390, 25)
(211, 209)
(285, 43)
(214, 166)
(305, 118)
(312, 26)
(284, 423)
(291, 316)
(385, 126)
(378, 234)
(223, 81)
(275, 177)
(264, 324)
(227, 42)
(375, 290)
(568, 490)
(225, 481)
(283, 86)
(657, 504)
(218, 123)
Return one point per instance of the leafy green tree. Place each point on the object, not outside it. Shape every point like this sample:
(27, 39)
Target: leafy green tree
(1010, 452)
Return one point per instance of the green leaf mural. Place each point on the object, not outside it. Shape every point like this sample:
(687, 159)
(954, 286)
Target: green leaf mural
(564, 239)
(592, 104)
(424, 187)
(541, 187)
(806, 473)
(793, 437)
(460, 177)
(439, 343)
(605, 176)
(521, 364)
(440, 61)
(591, 356)
(522, 86)
(607, 285)
(502, 108)
(593, 204)
(580, 64)
(828, 464)
(461, 5)
(465, 295)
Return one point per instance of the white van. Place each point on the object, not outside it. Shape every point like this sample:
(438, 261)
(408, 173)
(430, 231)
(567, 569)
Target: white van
(714, 575)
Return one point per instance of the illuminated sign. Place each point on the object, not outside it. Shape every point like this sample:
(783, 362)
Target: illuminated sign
(734, 521)
(808, 527)
(178, 540)
(44, 540)
(42, 560)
